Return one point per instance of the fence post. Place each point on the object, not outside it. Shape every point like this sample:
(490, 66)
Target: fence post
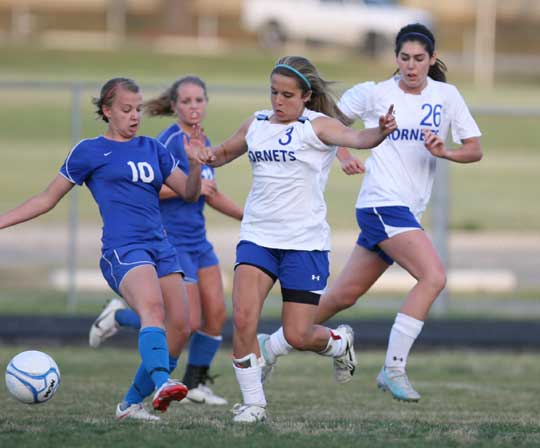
(76, 94)
(439, 225)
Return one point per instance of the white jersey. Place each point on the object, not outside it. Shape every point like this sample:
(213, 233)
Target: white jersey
(400, 170)
(285, 208)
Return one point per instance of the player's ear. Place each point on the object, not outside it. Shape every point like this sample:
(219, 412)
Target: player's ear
(433, 59)
(307, 96)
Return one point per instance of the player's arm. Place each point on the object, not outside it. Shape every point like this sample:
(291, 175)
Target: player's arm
(188, 187)
(38, 204)
(333, 132)
(231, 148)
(208, 188)
(349, 164)
(470, 151)
(225, 205)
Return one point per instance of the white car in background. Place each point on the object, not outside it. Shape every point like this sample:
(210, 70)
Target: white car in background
(367, 24)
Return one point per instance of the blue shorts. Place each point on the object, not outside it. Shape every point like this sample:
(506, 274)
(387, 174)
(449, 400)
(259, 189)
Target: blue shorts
(192, 261)
(116, 263)
(303, 274)
(380, 223)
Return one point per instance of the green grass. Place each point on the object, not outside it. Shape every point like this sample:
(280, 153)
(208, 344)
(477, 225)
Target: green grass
(470, 398)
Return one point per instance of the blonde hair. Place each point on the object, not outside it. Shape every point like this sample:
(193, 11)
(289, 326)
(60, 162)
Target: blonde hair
(322, 99)
(162, 105)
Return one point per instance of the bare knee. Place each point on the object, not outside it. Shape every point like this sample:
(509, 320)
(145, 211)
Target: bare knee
(435, 279)
(214, 322)
(297, 338)
(153, 312)
(244, 322)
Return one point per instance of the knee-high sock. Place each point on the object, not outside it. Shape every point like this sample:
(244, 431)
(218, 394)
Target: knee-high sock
(143, 385)
(402, 336)
(203, 348)
(277, 345)
(155, 354)
(127, 318)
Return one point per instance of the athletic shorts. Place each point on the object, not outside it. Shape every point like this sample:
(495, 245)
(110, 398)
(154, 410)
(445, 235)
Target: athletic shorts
(116, 263)
(192, 261)
(302, 274)
(377, 224)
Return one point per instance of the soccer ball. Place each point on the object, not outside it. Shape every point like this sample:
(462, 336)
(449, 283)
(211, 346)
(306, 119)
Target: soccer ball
(32, 377)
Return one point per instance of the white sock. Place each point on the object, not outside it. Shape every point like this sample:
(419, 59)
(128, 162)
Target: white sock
(402, 336)
(249, 379)
(277, 345)
(336, 345)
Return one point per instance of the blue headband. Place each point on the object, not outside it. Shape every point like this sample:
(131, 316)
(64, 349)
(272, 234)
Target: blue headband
(413, 33)
(296, 72)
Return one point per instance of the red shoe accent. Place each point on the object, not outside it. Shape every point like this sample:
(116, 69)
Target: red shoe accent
(334, 336)
(167, 393)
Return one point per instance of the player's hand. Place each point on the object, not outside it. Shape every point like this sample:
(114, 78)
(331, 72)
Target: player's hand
(352, 165)
(195, 146)
(387, 123)
(434, 144)
(208, 187)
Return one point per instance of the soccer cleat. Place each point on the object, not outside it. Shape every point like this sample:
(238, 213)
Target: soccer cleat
(269, 361)
(172, 390)
(105, 325)
(397, 383)
(248, 413)
(345, 364)
(135, 411)
(202, 394)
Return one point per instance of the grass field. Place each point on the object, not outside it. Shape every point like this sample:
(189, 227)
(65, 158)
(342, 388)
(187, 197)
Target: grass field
(480, 399)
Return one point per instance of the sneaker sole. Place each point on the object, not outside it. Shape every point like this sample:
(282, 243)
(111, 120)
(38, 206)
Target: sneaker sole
(175, 393)
(383, 388)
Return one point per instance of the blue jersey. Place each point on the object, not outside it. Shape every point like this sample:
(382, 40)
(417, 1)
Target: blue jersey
(183, 221)
(125, 179)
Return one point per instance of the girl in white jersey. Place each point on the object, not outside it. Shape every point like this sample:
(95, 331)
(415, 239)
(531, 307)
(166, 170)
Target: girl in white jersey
(395, 192)
(284, 234)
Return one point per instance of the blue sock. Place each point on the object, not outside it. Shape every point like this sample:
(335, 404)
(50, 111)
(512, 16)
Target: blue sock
(127, 318)
(143, 385)
(173, 363)
(141, 388)
(155, 354)
(203, 348)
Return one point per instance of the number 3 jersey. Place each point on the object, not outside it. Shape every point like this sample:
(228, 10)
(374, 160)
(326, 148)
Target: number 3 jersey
(400, 170)
(285, 208)
(125, 179)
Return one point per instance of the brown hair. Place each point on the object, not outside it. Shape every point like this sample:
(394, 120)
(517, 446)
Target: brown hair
(321, 99)
(108, 92)
(161, 105)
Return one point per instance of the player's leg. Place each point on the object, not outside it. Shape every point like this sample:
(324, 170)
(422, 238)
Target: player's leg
(254, 276)
(364, 266)
(250, 288)
(414, 251)
(362, 270)
(206, 339)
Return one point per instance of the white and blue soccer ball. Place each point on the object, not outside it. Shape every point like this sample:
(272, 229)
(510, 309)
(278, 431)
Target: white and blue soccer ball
(32, 377)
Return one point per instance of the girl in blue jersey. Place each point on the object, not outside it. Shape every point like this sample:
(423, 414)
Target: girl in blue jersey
(185, 225)
(395, 193)
(125, 173)
(284, 234)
